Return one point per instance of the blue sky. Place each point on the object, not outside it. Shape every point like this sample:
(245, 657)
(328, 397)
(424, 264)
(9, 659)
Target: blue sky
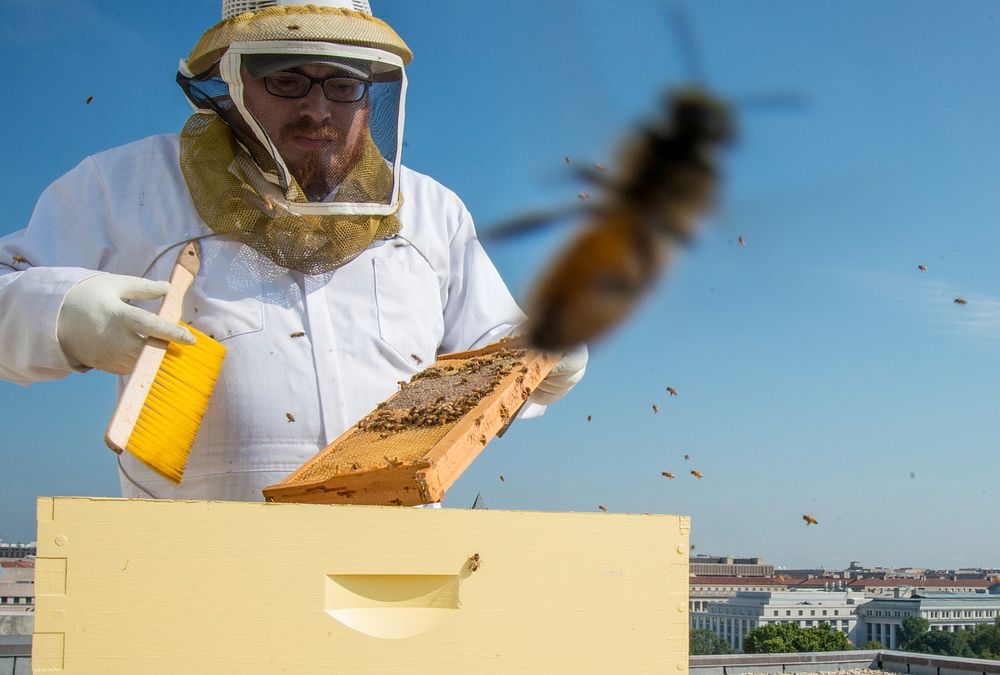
(818, 370)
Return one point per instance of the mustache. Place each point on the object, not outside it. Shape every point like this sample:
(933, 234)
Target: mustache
(306, 127)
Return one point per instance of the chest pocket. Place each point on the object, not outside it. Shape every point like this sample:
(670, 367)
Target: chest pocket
(410, 316)
(226, 297)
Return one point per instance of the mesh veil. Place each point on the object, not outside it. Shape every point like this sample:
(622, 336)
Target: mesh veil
(234, 199)
(244, 188)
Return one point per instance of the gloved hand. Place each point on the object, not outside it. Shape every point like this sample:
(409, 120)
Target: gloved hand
(562, 378)
(97, 328)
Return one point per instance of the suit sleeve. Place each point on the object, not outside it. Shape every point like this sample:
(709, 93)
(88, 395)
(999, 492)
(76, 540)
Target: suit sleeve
(64, 243)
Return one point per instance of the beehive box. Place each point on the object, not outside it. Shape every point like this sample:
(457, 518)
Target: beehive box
(416, 444)
(216, 588)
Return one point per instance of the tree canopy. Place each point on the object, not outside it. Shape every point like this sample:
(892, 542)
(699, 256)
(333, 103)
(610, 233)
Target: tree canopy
(703, 641)
(982, 642)
(777, 638)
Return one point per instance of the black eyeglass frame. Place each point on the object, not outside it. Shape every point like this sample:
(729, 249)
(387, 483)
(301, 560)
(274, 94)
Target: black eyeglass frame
(365, 84)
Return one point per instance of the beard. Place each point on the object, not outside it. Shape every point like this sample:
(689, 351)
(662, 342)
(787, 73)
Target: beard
(320, 171)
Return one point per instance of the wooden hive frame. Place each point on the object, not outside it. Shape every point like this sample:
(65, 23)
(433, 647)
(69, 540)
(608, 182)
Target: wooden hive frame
(443, 451)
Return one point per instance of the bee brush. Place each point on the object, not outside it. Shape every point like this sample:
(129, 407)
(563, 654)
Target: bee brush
(165, 397)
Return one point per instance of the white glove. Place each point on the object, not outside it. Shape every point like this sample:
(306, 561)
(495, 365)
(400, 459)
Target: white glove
(562, 378)
(98, 329)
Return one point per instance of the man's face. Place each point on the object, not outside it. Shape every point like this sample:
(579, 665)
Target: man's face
(320, 140)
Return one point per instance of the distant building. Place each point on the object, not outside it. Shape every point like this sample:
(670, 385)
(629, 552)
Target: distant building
(17, 589)
(889, 587)
(10, 551)
(881, 617)
(733, 619)
(703, 591)
(810, 573)
(728, 566)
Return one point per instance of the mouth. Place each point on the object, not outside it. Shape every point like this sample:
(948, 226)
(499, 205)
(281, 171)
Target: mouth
(312, 141)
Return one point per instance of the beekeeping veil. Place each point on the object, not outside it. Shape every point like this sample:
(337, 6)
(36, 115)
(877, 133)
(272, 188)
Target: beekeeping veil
(314, 204)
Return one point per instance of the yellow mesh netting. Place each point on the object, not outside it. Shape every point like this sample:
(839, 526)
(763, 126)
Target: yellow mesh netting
(233, 198)
(297, 22)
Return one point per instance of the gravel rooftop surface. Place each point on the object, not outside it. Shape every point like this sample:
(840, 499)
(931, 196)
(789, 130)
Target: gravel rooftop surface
(851, 671)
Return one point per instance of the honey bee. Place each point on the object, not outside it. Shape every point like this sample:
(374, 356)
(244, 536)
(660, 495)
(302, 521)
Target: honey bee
(667, 474)
(19, 259)
(665, 180)
(296, 334)
(922, 268)
(590, 417)
(687, 456)
(583, 196)
(809, 520)
(741, 241)
(961, 301)
(474, 562)
(416, 359)
(90, 99)
(696, 474)
(502, 479)
(568, 159)
(290, 417)
(656, 408)
(671, 391)
(602, 507)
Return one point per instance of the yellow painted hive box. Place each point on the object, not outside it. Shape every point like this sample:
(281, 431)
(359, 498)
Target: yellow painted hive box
(149, 587)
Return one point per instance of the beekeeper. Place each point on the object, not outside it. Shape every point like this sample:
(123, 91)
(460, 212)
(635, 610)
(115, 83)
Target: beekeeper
(329, 270)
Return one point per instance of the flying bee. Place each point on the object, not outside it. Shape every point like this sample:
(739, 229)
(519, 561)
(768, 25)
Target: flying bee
(809, 520)
(665, 180)
(667, 474)
(474, 562)
(602, 507)
(922, 268)
(961, 301)
(696, 474)
(671, 391)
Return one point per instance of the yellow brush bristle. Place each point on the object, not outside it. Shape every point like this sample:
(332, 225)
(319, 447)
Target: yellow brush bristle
(177, 400)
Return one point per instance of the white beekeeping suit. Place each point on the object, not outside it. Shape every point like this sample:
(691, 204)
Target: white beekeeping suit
(366, 325)
(324, 303)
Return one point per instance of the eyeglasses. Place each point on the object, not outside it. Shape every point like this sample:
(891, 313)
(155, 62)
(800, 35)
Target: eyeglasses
(339, 89)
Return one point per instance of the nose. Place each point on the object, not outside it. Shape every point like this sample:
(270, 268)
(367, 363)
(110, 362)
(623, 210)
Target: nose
(314, 104)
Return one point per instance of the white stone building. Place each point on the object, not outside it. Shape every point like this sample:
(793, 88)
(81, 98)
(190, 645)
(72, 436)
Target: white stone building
(882, 617)
(734, 618)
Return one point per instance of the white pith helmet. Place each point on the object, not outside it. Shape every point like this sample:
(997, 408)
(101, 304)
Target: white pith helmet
(231, 8)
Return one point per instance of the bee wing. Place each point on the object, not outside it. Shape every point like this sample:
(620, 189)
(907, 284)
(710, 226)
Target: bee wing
(531, 221)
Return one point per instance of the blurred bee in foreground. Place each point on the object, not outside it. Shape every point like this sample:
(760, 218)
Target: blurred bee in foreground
(665, 181)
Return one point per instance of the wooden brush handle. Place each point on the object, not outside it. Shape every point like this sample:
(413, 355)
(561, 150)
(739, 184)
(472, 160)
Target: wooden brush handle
(185, 270)
(148, 364)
